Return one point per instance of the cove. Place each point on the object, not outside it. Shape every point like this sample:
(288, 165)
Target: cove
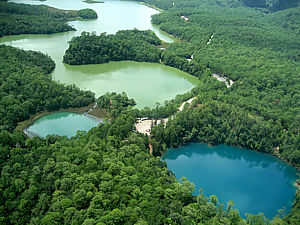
(147, 83)
(256, 182)
(62, 124)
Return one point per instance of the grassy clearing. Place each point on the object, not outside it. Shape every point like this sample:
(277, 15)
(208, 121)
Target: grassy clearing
(100, 113)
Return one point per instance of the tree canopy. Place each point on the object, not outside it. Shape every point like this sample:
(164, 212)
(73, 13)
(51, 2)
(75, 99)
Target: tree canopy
(87, 14)
(115, 103)
(133, 45)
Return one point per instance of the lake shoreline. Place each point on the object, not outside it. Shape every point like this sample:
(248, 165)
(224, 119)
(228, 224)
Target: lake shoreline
(151, 6)
(96, 113)
(297, 186)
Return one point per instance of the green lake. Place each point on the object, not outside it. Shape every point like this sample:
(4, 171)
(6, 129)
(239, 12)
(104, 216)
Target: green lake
(147, 83)
(256, 182)
(62, 123)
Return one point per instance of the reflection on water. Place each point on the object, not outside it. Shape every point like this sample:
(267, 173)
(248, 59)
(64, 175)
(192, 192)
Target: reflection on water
(256, 182)
(252, 158)
(55, 116)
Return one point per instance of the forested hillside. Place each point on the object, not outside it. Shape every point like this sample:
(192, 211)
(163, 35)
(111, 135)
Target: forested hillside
(26, 88)
(38, 19)
(270, 5)
(262, 59)
(124, 45)
(273, 5)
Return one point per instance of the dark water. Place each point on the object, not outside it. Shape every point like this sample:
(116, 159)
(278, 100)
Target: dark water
(256, 182)
(63, 124)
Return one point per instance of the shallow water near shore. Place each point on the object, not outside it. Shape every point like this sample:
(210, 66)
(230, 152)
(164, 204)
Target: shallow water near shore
(256, 182)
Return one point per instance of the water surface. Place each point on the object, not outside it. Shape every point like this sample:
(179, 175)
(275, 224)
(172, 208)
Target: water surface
(113, 15)
(63, 124)
(256, 182)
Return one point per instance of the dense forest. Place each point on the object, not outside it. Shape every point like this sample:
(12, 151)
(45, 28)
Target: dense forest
(265, 64)
(99, 178)
(38, 19)
(107, 176)
(251, 48)
(124, 45)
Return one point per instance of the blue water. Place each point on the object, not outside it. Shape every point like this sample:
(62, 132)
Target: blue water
(256, 182)
(63, 124)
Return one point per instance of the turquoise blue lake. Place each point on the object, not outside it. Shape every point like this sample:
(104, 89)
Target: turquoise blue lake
(63, 124)
(256, 182)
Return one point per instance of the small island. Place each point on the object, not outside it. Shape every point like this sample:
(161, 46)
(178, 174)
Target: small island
(134, 45)
(87, 14)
